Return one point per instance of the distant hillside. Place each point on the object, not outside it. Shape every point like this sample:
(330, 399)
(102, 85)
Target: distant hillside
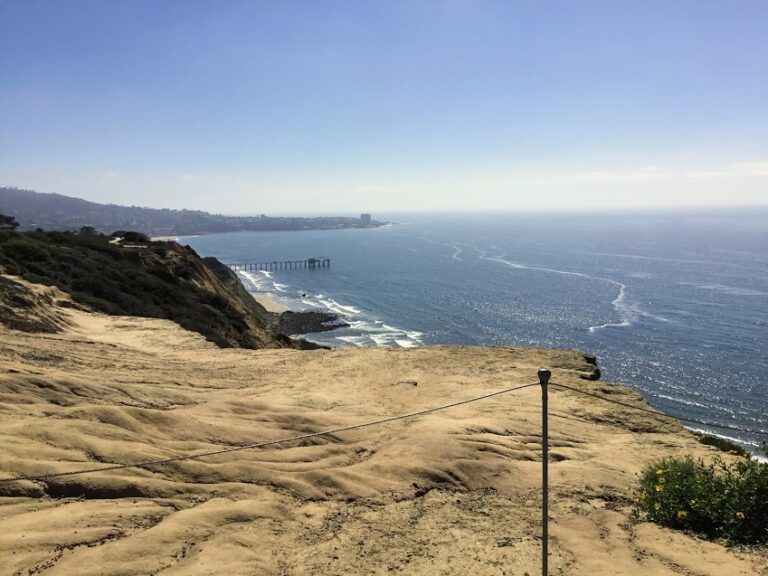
(34, 210)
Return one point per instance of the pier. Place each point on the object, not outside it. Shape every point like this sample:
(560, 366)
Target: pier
(310, 263)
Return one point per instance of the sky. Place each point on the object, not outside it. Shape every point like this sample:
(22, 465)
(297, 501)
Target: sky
(343, 107)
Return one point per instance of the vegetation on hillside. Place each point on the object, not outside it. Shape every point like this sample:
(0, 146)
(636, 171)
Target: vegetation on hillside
(8, 222)
(155, 280)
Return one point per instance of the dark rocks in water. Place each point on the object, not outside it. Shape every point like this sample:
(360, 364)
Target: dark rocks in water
(306, 322)
(299, 343)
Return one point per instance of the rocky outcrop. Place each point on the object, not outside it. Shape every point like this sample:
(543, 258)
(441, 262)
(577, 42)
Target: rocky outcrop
(305, 322)
(594, 373)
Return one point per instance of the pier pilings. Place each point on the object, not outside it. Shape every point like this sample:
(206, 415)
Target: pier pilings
(309, 263)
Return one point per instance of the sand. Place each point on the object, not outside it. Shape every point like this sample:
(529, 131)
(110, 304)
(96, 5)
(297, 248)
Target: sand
(455, 492)
(269, 303)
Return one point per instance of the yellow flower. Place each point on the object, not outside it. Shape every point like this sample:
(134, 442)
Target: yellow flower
(740, 515)
(681, 514)
(660, 471)
(659, 487)
(657, 506)
(693, 502)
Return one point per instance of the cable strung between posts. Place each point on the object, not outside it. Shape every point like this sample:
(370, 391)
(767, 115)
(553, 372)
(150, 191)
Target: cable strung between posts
(661, 414)
(267, 442)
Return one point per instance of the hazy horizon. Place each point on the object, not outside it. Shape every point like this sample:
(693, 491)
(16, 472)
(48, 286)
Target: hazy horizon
(309, 108)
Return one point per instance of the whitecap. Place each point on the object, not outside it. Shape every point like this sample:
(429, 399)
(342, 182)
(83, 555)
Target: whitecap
(358, 341)
(334, 306)
(382, 339)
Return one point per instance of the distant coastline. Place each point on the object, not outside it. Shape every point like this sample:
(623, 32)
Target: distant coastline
(55, 212)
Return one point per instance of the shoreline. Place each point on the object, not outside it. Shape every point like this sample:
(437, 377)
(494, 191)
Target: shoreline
(294, 323)
(177, 237)
(269, 303)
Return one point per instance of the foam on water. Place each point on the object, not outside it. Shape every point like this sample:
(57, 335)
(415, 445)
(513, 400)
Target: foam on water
(731, 290)
(249, 280)
(354, 340)
(682, 400)
(628, 311)
(334, 306)
(364, 329)
(456, 249)
(662, 259)
(742, 441)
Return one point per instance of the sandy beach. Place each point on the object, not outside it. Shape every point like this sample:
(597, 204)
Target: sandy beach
(269, 303)
(454, 492)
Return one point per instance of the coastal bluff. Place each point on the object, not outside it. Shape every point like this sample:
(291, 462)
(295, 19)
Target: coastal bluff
(454, 492)
(128, 274)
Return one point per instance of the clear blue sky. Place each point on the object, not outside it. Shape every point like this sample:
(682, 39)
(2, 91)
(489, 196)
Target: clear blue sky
(315, 106)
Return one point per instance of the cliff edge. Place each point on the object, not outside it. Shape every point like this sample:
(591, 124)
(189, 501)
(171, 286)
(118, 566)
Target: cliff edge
(131, 276)
(455, 492)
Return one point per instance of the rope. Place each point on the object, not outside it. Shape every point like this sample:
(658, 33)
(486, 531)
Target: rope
(661, 414)
(198, 455)
(359, 426)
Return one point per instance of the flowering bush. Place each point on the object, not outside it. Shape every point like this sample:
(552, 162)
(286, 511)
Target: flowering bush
(717, 500)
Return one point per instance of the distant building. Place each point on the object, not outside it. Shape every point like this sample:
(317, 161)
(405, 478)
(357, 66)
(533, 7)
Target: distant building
(365, 219)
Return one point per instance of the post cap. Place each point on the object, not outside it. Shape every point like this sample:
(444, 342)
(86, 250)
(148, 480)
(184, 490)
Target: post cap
(544, 375)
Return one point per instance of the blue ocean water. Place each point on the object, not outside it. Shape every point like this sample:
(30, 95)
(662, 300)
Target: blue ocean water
(674, 305)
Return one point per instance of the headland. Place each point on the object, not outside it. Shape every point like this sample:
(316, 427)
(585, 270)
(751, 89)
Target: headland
(453, 492)
(47, 211)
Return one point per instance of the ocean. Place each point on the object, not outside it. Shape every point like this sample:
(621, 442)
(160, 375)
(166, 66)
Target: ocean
(673, 304)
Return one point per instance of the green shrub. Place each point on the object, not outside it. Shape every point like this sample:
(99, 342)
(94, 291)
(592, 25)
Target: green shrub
(21, 249)
(717, 500)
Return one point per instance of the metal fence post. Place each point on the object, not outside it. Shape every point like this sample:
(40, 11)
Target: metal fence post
(544, 376)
